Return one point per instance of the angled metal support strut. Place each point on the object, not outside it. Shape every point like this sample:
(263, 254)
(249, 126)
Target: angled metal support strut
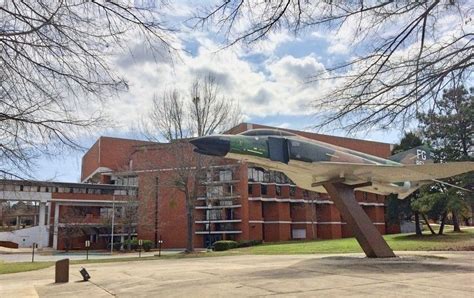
(364, 230)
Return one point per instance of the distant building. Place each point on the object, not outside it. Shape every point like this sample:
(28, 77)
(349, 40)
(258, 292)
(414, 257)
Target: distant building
(235, 200)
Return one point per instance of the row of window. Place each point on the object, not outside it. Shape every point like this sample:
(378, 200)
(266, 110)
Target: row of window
(126, 181)
(219, 191)
(222, 175)
(278, 192)
(55, 189)
(260, 175)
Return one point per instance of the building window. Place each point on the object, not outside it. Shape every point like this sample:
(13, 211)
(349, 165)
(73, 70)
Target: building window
(225, 175)
(127, 181)
(215, 191)
(305, 193)
(266, 177)
(229, 189)
(250, 189)
(255, 174)
(264, 189)
(292, 191)
(278, 190)
(106, 212)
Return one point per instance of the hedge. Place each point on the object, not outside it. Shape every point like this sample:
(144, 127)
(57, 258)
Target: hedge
(147, 244)
(225, 245)
(248, 243)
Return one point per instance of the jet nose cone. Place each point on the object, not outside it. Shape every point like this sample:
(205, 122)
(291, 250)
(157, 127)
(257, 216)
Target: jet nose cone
(212, 145)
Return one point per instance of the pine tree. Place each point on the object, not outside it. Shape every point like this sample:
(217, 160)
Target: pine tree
(448, 128)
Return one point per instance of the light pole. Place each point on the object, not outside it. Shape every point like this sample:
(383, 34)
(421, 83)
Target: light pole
(35, 245)
(159, 246)
(113, 223)
(140, 245)
(87, 245)
(209, 241)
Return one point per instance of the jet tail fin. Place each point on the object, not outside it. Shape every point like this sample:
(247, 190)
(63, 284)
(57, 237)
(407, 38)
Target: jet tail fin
(419, 155)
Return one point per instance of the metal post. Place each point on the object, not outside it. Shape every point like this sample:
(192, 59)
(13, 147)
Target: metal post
(364, 230)
(159, 246)
(156, 209)
(87, 244)
(209, 212)
(140, 245)
(113, 223)
(33, 253)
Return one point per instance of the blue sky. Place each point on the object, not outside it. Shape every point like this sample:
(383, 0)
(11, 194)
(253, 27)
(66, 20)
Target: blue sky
(268, 79)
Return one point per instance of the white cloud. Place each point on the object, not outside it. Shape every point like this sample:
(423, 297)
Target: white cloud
(276, 86)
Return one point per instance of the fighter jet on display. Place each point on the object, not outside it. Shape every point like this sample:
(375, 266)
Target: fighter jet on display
(310, 163)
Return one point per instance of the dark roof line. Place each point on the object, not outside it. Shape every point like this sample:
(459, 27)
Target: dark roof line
(298, 132)
(62, 184)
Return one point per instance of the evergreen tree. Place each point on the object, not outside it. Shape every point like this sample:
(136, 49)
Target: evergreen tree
(448, 128)
(398, 210)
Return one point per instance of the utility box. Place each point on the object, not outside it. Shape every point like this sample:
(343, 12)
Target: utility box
(62, 271)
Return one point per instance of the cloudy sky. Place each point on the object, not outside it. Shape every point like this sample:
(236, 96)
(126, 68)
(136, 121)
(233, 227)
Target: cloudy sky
(268, 79)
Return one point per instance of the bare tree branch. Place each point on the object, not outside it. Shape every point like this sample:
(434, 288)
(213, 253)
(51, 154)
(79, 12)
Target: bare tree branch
(402, 55)
(54, 69)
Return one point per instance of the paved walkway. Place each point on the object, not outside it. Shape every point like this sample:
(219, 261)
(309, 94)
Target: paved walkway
(440, 274)
(26, 257)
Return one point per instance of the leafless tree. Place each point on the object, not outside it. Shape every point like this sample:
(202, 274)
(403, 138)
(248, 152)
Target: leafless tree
(129, 217)
(402, 54)
(71, 225)
(54, 70)
(206, 112)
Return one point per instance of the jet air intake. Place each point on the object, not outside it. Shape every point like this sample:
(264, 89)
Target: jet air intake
(278, 149)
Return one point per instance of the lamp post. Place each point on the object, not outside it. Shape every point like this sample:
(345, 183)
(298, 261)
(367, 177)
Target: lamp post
(113, 223)
(35, 245)
(209, 241)
(87, 245)
(140, 245)
(159, 246)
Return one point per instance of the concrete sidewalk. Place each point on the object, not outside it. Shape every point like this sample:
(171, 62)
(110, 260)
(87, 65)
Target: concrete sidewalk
(26, 257)
(440, 274)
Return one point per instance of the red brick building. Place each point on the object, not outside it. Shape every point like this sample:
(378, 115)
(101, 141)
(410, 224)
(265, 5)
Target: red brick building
(236, 200)
(67, 214)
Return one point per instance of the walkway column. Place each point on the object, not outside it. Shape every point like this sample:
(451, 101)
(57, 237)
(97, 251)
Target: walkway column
(41, 223)
(56, 223)
(364, 230)
(42, 213)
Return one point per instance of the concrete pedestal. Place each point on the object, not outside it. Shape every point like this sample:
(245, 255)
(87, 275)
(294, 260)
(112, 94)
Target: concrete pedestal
(364, 230)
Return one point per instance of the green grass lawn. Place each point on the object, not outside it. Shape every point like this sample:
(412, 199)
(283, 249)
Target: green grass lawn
(408, 242)
(449, 241)
(22, 266)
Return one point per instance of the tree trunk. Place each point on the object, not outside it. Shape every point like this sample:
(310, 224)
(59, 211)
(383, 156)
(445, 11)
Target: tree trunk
(428, 224)
(417, 224)
(456, 223)
(190, 225)
(443, 220)
(129, 244)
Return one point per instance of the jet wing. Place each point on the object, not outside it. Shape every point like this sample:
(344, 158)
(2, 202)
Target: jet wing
(325, 171)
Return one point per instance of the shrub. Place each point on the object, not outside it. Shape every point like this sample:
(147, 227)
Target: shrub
(117, 245)
(248, 243)
(147, 245)
(133, 242)
(224, 245)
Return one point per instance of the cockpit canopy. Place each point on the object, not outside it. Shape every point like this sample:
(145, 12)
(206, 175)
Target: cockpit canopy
(266, 132)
